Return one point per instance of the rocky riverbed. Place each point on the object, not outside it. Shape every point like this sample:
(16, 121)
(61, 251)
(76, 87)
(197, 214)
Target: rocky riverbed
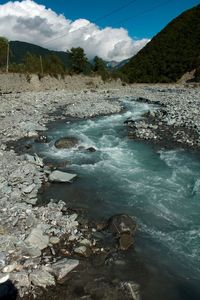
(175, 123)
(32, 237)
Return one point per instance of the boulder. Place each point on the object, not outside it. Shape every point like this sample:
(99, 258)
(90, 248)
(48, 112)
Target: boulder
(41, 278)
(63, 267)
(37, 239)
(66, 143)
(123, 227)
(91, 149)
(58, 176)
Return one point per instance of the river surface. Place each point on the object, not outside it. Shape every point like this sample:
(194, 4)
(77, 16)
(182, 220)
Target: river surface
(160, 188)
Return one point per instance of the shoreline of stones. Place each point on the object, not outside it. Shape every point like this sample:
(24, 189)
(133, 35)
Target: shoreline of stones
(175, 123)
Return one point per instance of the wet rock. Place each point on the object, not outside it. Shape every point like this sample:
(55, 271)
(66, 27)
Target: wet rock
(123, 227)
(91, 149)
(41, 278)
(63, 267)
(58, 176)
(125, 240)
(131, 288)
(66, 143)
(42, 139)
(83, 251)
(9, 268)
(37, 239)
(122, 223)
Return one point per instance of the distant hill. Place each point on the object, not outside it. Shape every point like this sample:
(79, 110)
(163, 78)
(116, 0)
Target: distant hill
(171, 53)
(19, 50)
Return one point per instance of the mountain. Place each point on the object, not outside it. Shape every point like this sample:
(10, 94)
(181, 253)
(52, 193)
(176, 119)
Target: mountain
(20, 49)
(170, 54)
(121, 63)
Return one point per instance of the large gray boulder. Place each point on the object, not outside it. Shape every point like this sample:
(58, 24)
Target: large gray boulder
(58, 176)
(64, 266)
(66, 143)
(41, 278)
(37, 239)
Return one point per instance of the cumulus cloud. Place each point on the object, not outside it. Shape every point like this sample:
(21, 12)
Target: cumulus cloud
(30, 22)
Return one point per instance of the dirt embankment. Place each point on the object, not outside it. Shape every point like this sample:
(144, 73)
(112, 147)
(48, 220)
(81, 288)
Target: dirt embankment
(14, 82)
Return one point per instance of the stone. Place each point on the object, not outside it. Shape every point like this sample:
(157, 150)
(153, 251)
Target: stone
(4, 278)
(58, 176)
(32, 134)
(32, 251)
(20, 279)
(28, 189)
(66, 143)
(125, 241)
(64, 266)
(41, 278)
(2, 260)
(91, 149)
(37, 239)
(132, 288)
(122, 223)
(123, 227)
(9, 268)
(54, 240)
(85, 242)
(32, 201)
(83, 251)
(36, 160)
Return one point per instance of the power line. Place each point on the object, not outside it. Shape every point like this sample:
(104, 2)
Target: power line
(144, 12)
(115, 11)
(98, 19)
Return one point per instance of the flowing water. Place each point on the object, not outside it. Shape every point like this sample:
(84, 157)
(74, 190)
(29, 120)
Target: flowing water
(160, 188)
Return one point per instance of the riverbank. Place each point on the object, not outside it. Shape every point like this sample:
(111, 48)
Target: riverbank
(175, 124)
(23, 115)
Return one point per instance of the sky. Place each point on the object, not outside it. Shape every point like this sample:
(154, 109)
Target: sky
(111, 29)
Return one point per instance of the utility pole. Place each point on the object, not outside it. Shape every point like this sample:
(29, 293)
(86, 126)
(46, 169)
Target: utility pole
(8, 55)
(41, 66)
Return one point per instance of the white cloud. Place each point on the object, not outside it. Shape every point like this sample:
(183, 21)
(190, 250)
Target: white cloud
(30, 22)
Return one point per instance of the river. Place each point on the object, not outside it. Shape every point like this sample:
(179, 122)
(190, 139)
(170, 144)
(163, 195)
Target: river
(160, 188)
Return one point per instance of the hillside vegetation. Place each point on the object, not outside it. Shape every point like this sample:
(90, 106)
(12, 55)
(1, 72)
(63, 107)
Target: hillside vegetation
(29, 58)
(171, 53)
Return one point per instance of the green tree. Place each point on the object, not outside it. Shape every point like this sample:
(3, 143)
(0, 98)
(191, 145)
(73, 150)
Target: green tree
(100, 68)
(53, 66)
(3, 51)
(32, 63)
(79, 61)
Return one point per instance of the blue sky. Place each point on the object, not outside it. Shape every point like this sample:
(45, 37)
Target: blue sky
(144, 25)
(61, 24)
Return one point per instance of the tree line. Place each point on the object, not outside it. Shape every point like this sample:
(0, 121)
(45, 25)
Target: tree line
(52, 65)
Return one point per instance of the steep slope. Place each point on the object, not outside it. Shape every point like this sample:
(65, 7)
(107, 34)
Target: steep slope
(171, 53)
(19, 50)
